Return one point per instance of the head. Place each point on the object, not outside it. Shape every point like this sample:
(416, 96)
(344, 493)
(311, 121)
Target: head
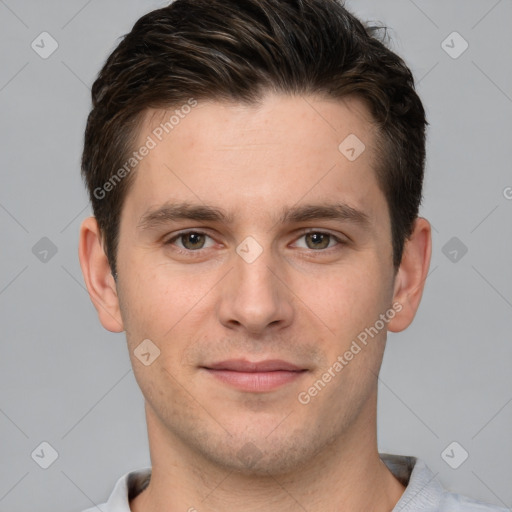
(238, 51)
(283, 130)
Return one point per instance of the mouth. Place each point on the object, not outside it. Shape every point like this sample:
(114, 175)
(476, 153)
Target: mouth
(255, 377)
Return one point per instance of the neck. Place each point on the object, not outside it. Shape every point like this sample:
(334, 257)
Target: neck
(348, 472)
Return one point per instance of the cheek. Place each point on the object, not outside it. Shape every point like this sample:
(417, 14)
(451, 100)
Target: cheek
(167, 308)
(348, 299)
(154, 298)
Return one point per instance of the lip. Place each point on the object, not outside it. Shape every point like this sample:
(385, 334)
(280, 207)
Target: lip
(255, 377)
(242, 365)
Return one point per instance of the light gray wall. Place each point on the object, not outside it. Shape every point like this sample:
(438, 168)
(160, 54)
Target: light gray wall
(66, 381)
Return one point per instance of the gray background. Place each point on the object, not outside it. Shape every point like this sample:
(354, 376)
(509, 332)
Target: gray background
(66, 381)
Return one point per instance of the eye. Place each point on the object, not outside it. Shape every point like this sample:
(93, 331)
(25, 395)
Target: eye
(190, 240)
(317, 240)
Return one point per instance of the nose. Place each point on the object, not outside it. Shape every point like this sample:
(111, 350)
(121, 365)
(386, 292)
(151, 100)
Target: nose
(254, 295)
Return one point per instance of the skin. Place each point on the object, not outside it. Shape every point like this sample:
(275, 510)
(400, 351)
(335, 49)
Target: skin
(303, 300)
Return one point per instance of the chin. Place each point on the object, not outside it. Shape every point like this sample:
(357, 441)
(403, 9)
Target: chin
(257, 455)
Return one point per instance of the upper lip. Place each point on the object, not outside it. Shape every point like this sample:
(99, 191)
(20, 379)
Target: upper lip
(241, 365)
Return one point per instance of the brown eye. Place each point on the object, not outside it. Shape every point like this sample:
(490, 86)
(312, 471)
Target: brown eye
(317, 240)
(192, 240)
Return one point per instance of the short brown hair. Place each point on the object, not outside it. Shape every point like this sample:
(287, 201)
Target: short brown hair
(236, 50)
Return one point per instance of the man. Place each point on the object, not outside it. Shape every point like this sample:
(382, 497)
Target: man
(255, 170)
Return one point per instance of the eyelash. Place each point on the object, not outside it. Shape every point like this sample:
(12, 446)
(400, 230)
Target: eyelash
(190, 252)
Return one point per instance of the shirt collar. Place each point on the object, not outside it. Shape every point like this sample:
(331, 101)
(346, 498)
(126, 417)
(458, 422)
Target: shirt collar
(422, 491)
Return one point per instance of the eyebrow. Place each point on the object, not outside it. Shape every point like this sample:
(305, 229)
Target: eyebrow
(170, 212)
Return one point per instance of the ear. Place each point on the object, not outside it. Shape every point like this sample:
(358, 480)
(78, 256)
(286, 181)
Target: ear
(97, 275)
(411, 275)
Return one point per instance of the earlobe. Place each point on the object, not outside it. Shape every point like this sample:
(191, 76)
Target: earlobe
(411, 275)
(98, 278)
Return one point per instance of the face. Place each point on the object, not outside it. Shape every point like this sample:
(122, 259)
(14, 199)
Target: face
(253, 252)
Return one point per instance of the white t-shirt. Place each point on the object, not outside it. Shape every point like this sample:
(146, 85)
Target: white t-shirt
(423, 492)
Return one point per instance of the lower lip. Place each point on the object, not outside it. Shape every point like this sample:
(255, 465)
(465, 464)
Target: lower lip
(256, 381)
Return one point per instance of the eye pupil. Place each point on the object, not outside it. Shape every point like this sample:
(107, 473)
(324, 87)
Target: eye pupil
(320, 240)
(193, 240)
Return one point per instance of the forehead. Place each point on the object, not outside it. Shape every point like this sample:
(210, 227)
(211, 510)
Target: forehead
(259, 156)
(274, 119)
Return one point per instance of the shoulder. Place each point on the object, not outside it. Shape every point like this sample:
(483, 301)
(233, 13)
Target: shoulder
(126, 488)
(424, 493)
(458, 503)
